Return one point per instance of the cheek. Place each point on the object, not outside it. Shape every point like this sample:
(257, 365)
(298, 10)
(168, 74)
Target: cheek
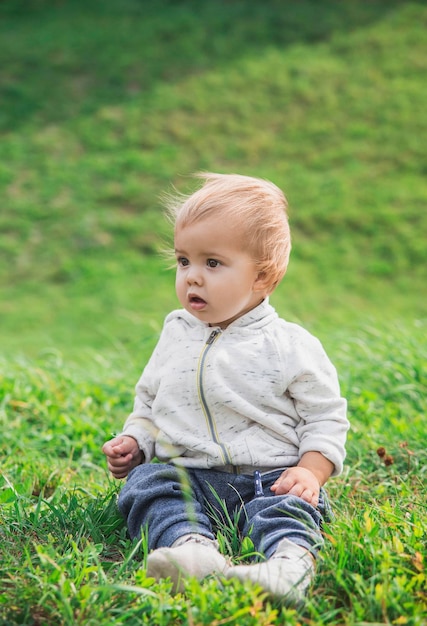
(178, 283)
(229, 294)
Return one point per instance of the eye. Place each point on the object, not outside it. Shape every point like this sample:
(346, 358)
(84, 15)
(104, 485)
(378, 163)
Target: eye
(212, 263)
(183, 261)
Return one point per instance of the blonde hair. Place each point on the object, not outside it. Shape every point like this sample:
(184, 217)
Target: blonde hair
(256, 207)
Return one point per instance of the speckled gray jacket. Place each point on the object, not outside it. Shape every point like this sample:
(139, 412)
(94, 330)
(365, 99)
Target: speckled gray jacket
(258, 394)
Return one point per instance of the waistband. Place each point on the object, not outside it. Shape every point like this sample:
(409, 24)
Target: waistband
(246, 469)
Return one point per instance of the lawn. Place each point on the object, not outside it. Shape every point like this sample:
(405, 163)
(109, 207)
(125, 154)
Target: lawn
(105, 107)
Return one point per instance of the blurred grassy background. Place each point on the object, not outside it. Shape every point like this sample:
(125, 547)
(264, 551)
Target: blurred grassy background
(105, 105)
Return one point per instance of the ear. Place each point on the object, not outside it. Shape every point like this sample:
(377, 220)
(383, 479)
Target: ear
(263, 284)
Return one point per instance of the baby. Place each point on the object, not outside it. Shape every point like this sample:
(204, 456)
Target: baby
(235, 406)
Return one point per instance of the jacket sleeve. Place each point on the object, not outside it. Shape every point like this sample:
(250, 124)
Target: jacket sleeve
(315, 391)
(139, 424)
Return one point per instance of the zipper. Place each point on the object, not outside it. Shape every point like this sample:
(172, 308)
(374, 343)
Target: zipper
(200, 386)
(212, 337)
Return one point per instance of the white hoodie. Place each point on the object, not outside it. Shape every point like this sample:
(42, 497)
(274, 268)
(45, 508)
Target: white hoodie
(257, 395)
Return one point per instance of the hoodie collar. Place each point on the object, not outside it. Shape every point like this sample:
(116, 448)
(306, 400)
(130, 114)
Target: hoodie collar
(256, 318)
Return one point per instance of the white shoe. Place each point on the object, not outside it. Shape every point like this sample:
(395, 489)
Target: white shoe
(286, 575)
(190, 556)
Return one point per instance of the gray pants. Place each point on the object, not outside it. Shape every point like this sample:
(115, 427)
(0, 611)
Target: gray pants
(171, 502)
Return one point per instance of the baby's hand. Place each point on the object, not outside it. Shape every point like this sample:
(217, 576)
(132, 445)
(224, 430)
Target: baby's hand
(123, 454)
(298, 481)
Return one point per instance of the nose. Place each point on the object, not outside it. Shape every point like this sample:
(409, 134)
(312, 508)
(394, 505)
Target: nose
(194, 275)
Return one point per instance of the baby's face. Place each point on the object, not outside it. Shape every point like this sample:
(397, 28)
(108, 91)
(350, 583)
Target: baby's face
(216, 280)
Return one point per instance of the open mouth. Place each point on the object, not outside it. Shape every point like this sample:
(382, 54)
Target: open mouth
(197, 303)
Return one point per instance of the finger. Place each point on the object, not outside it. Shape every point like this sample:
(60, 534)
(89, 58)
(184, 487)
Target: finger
(114, 454)
(279, 489)
(121, 446)
(297, 490)
(115, 440)
(309, 497)
(283, 485)
(127, 446)
(112, 447)
(120, 474)
(119, 462)
(106, 448)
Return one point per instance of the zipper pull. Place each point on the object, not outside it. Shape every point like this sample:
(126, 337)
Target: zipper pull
(212, 336)
(258, 488)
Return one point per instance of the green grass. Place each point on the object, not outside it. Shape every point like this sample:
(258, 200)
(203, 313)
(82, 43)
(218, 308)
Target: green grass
(106, 106)
(65, 557)
(103, 107)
